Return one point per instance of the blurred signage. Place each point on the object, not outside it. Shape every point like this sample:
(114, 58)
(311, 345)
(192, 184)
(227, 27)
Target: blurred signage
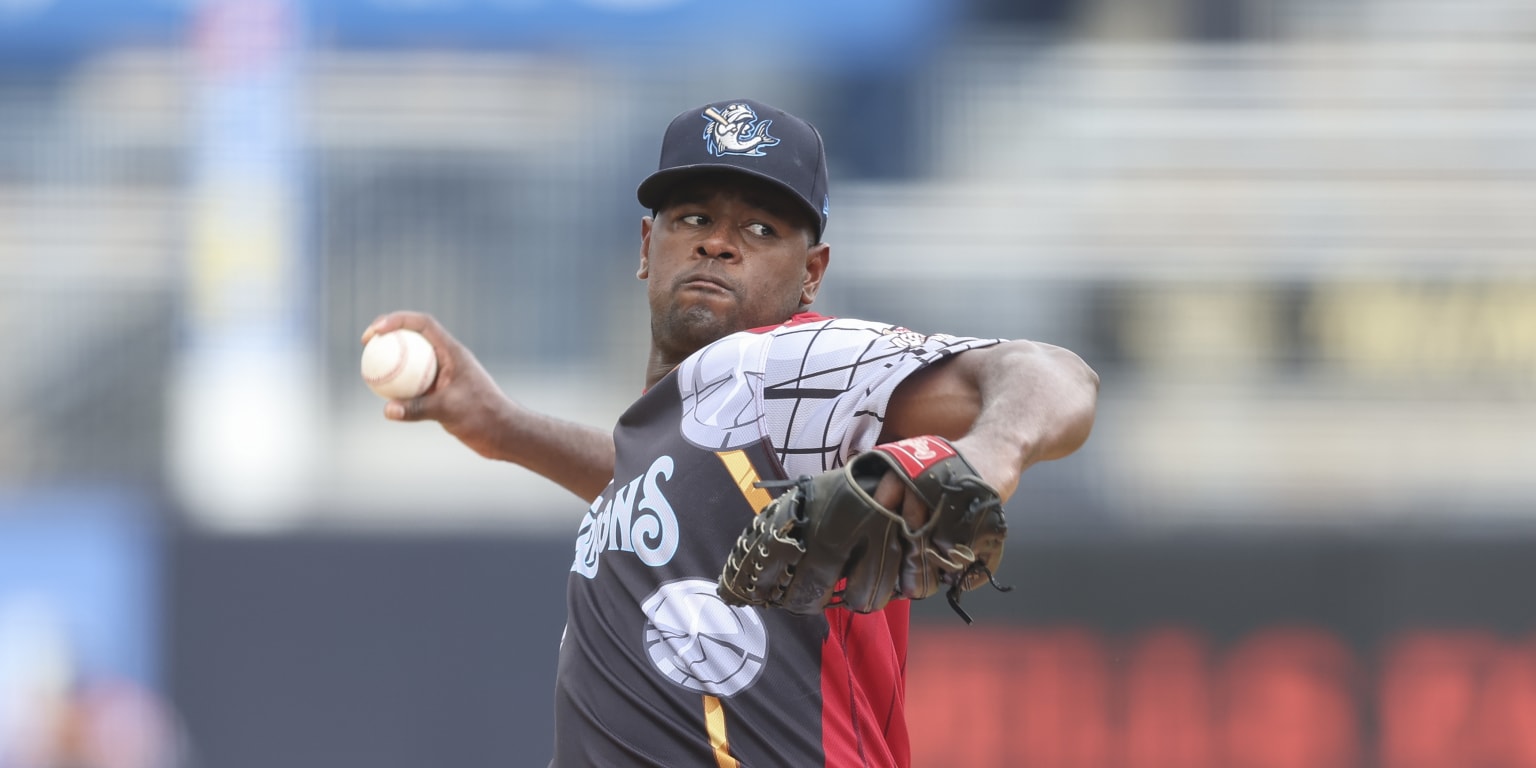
(51, 29)
(1441, 331)
(1281, 697)
(1466, 332)
(88, 561)
(1251, 651)
(247, 275)
(79, 633)
(842, 34)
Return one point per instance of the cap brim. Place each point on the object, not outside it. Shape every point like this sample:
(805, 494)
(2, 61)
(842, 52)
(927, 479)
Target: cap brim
(653, 190)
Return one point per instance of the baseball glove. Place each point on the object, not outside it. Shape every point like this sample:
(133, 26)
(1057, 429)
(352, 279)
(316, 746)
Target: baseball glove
(826, 542)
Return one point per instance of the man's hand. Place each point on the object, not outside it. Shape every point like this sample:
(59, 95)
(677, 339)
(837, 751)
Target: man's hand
(464, 399)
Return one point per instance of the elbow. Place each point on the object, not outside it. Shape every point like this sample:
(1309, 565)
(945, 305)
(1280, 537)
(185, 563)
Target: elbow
(1084, 406)
(1088, 378)
(1077, 399)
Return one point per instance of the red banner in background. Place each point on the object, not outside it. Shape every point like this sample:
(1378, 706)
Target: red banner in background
(1281, 697)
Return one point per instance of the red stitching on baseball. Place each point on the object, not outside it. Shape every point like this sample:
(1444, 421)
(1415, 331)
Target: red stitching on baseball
(399, 360)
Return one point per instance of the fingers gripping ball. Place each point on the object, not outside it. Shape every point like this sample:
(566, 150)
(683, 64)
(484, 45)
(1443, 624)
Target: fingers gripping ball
(399, 365)
(826, 541)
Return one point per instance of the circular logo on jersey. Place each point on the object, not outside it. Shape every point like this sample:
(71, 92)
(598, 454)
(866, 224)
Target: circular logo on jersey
(701, 643)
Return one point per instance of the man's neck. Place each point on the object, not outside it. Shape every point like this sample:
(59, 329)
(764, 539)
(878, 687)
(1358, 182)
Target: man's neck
(661, 362)
(657, 368)
(663, 359)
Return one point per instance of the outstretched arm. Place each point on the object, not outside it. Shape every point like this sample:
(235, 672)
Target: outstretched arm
(1004, 408)
(469, 405)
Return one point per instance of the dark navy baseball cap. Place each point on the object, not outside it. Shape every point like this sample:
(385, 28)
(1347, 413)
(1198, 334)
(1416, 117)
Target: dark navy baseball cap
(748, 137)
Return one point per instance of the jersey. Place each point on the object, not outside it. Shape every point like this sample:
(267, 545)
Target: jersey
(655, 669)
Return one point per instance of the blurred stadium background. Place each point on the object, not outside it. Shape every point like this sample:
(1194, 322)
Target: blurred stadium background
(1295, 237)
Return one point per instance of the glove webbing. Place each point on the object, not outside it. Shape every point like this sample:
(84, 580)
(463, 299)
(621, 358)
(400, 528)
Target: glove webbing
(976, 567)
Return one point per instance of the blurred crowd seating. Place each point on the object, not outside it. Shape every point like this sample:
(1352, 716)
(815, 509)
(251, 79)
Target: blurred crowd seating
(1298, 252)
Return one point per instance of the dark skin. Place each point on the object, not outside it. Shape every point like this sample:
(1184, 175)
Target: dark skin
(726, 253)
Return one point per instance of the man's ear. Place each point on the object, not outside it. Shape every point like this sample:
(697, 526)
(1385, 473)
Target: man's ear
(645, 247)
(816, 260)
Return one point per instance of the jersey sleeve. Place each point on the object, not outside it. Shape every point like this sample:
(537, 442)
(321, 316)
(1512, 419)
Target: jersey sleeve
(826, 386)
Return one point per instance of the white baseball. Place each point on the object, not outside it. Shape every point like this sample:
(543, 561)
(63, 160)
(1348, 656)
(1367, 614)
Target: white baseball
(399, 365)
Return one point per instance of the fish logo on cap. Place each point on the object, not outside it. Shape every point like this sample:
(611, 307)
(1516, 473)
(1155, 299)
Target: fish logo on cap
(735, 130)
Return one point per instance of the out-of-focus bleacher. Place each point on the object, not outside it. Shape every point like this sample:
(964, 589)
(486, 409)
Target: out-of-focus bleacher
(1298, 252)
(1294, 237)
(1305, 267)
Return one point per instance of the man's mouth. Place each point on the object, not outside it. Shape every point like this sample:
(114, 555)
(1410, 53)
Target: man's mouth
(703, 283)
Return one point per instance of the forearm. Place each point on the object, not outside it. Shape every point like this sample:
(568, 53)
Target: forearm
(577, 457)
(1036, 403)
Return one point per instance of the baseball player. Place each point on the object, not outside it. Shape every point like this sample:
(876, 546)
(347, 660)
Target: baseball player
(746, 390)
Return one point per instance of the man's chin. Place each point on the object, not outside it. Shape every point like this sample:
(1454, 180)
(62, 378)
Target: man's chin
(694, 327)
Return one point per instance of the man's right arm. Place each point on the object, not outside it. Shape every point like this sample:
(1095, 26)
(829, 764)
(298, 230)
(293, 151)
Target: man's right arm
(469, 405)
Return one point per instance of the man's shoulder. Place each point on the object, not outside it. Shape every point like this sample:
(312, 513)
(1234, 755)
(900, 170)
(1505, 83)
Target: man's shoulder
(811, 324)
(807, 335)
(826, 334)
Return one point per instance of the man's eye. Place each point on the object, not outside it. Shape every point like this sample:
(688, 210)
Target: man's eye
(694, 219)
(761, 230)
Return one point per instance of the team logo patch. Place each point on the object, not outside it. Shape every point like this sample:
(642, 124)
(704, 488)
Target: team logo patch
(903, 337)
(699, 642)
(736, 130)
(917, 454)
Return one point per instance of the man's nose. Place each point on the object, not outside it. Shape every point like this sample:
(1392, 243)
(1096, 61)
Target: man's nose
(720, 243)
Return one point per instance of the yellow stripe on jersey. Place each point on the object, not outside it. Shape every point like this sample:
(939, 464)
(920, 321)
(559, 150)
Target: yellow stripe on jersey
(740, 467)
(746, 477)
(714, 720)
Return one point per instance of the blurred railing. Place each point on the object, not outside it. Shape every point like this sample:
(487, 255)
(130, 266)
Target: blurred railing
(1302, 264)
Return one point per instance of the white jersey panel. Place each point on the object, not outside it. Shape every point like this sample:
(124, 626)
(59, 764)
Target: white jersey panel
(817, 390)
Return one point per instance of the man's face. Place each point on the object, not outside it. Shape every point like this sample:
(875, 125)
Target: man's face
(726, 253)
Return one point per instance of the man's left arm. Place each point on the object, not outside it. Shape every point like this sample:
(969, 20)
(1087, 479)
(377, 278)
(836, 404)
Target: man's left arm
(1004, 407)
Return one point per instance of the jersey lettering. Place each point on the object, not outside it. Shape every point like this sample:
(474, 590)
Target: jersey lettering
(636, 518)
(655, 534)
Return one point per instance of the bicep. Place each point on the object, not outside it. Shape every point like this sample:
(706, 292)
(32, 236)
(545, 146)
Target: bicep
(941, 399)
